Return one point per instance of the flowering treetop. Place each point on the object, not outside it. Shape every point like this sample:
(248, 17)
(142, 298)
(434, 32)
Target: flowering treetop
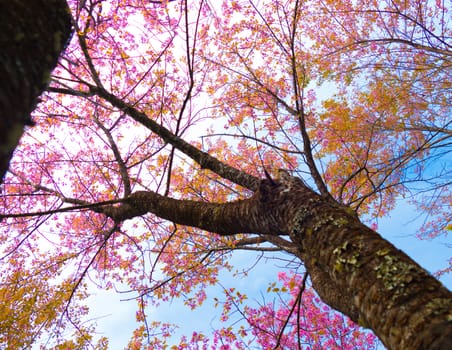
(196, 101)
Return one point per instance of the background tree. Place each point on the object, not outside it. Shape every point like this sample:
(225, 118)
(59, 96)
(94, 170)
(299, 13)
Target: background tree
(116, 185)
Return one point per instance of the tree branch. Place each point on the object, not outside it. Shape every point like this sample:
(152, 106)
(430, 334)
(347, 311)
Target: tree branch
(243, 216)
(205, 160)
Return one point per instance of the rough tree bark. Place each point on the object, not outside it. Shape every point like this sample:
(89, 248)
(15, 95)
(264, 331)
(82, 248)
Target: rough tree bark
(352, 268)
(32, 35)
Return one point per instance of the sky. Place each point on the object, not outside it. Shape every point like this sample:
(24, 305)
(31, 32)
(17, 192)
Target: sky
(116, 318)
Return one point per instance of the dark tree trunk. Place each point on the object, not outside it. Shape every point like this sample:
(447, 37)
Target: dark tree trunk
(352, 268)
(32, 35)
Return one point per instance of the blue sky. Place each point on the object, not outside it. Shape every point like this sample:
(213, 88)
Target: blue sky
(116, 318)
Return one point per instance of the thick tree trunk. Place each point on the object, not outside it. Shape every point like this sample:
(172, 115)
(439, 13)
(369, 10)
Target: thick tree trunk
(32, 35)
(357, 272)
(352, 268)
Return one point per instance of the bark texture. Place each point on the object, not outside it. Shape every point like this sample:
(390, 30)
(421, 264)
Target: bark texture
(357, 272)
(352, 267)
(32, 35)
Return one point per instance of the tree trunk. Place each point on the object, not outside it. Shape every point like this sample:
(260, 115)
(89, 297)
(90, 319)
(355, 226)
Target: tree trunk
(32, 35)
(352, 268)
(360, 274)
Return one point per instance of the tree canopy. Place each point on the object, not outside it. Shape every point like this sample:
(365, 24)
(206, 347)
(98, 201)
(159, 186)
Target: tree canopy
(174, 133)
